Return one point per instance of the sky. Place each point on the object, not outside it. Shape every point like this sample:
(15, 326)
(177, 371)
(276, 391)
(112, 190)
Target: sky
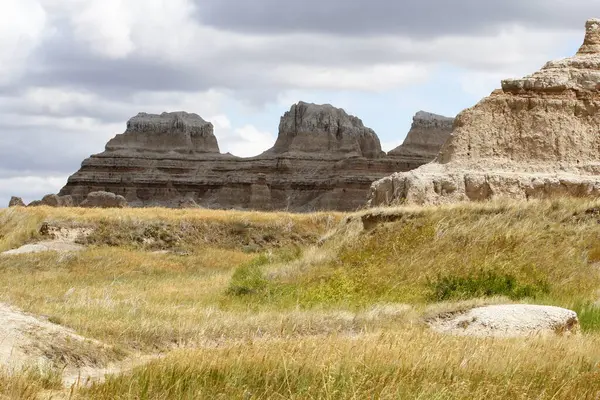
(72, 72)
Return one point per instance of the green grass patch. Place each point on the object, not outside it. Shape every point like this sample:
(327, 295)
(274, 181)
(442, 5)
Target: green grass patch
(484, 284)
(589, 316)
(248, 278)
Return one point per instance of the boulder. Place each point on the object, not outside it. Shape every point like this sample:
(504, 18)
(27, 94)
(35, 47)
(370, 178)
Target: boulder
(54, 200)
(511, 320)
(537, 137)
(104, 200)
(16, 202)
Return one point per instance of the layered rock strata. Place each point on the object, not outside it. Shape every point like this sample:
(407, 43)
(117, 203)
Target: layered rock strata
(426, 137)
(537, 137)
(325, 130)
(323, 159)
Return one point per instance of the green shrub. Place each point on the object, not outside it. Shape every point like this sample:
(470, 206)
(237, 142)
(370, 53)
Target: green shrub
(483, 284)
(248, 278)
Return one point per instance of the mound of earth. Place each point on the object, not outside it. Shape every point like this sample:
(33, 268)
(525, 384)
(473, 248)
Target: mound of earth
(507, 321)
(29, 341)
(59, 239)
(537, 137)
(323, 159)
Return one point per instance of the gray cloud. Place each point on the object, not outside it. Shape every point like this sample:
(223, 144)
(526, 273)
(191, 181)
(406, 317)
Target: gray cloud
(417, 18)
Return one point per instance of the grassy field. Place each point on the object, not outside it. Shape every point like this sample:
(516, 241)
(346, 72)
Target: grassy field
(274, 305)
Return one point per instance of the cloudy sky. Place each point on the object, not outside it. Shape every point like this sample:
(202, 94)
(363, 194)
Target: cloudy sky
(73, 71)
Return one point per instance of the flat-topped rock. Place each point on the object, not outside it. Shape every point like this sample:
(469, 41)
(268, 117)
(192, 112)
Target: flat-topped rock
(426, 137)
(178, 132)
(325, 130)
(537, 137)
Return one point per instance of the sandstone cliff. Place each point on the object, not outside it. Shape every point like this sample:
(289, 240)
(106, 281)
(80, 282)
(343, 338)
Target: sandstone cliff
(323, 159)
(424, 140)
(538, 136)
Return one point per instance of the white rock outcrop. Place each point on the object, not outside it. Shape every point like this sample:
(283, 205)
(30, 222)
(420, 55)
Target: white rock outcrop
(512, 320)
(537, 137)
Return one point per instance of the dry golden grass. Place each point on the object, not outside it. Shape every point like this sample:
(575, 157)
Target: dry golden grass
(404, 364)
(324, 308)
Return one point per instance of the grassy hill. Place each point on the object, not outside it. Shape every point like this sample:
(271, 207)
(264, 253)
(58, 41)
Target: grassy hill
(329, 305)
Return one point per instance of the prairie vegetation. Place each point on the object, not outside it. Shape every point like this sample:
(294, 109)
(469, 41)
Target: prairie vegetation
(328, 305)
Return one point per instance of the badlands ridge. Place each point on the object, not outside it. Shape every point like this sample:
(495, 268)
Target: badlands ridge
(323, 159)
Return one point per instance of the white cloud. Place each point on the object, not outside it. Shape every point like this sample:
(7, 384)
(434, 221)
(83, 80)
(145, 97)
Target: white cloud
(105, 26)
(22, 23)
(370, 78)
(119, 28)
(245, 141)
(248, 141)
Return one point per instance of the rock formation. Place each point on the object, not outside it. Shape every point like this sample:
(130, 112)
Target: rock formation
(426, 137)
(177, 132)
(16, 202)
(323, 130)
(323, 159)
(536, 137)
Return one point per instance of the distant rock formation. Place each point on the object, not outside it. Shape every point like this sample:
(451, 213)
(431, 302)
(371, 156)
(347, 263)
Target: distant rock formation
(323, 130)
(177, 132)
(537, 137)
(16, 202)
(426, 137)
(323, 159)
